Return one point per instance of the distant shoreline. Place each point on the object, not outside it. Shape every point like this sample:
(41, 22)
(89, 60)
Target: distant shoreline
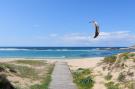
(55, 59)
(60, 53)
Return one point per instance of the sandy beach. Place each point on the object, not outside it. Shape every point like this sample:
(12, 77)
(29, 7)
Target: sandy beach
(84, 62)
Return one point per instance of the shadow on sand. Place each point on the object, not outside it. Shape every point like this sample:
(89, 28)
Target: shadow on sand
(5, 83)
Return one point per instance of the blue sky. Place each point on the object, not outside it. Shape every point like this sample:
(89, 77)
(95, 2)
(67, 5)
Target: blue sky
(65, 22)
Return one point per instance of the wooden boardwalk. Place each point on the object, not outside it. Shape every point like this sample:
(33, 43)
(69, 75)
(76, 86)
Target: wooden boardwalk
(61, 77)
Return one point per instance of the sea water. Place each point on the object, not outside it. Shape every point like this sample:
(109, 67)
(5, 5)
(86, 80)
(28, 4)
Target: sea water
(59, 52)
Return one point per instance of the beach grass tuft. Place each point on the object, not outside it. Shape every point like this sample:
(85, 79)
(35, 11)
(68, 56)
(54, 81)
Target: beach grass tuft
(83, 78)
(32, 62)
(109, 59)
(45, 81)
(29, 70)
(112, 85)
(121, 77)
(22, 71)
(108, 77)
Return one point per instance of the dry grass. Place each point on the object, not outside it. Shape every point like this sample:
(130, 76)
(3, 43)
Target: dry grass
(32, 62)
(28, 74)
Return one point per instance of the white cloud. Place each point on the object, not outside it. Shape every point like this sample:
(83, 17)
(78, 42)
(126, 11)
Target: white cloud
(119, 38)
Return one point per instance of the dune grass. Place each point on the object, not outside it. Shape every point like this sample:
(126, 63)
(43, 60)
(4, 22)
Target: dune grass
(109, 59)
(37, 71)
(108, 77)
(125, 56)
(112, 85)
(121, 77)
(22, 71)
(122, 57)
(132, 54)
(83, 79)
(131, 84)
(31, 62)
(45, 81)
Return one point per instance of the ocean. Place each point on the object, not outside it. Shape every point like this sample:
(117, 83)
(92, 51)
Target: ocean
(60, 52)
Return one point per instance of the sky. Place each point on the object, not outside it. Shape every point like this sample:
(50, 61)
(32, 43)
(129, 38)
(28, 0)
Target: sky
(66, 23)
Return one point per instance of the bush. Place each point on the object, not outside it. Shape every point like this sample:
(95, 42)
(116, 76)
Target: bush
(84, 71)
(112, 85)
(86, 82)
(83, 79)
(110, 59)
(131, 85)
(134, 60)
(108, 77)
(125, 56)
(121, 77)
(132, 54)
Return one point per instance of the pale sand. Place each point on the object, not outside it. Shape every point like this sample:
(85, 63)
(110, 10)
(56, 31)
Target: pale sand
(74, 62)
(84, 62)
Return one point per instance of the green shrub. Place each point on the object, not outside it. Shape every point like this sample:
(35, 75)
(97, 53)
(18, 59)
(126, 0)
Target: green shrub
(84, 71)
(131, 85)
(134, 60)
(110, 59)
(86, 82)
(83, 79)
(125, 56)
(108, 77)
(131, 54)
(121, 77)
(112, 85)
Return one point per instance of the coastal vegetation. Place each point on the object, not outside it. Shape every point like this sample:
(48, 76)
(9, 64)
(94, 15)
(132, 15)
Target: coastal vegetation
(83, 78)
(108, 76)
(109, 59)
(120, 71)
(31, 62)
(114, 58)
(112, 85)
(45, 82)
(121, 77)
(112, 72)
(27, 74)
